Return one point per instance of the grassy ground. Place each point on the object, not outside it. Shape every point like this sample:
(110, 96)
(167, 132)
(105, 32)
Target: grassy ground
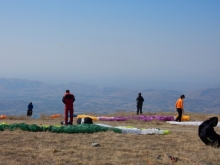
(40, 148)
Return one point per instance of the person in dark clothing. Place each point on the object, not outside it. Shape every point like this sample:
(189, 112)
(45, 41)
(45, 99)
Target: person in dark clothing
(68, 100)
(207, 134)
(30, 109)
(140, 101)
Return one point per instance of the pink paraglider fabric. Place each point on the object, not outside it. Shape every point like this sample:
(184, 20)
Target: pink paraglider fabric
(141, 117)
(112, 118)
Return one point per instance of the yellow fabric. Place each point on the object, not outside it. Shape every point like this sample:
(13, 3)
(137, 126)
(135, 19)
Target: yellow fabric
(83, 116)
(184, 118)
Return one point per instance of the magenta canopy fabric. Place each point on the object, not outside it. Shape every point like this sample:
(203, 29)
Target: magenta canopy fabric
(141, 117)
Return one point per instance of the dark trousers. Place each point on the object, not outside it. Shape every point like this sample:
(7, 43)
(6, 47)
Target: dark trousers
(179, 117)
(139, 108)
(29, 112)
(214, 140)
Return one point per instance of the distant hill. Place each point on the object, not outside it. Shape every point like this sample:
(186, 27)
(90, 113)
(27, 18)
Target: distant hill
(15, 94)
(204, 100)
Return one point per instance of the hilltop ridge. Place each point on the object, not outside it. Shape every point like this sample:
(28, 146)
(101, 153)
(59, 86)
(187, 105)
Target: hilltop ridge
(15, 94)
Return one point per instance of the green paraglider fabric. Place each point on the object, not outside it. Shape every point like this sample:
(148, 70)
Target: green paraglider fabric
(82, 128)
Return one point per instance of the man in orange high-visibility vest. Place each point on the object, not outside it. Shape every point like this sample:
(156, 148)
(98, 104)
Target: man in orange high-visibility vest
(179, 108)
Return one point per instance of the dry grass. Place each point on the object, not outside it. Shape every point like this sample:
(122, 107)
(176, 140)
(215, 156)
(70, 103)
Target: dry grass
(27, 148)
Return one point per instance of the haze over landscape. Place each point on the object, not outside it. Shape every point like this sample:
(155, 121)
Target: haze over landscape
(131, 46)
(15, 95)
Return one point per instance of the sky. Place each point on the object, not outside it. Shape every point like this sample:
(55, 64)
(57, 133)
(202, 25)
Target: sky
(129, 43)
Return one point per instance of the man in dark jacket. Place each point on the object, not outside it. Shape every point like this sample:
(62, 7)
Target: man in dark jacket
(207, 134)
(30, 109)
(140, 101)
(68, 100)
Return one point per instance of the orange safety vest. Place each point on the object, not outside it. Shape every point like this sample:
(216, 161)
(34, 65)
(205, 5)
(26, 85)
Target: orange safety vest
(179, 103)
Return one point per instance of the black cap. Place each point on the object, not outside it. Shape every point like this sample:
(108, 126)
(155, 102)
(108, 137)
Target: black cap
(182, 96)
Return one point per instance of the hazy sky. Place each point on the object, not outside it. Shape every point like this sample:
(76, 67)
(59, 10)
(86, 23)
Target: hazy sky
(111, 41)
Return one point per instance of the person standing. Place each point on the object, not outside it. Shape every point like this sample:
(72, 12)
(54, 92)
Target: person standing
(68, 100)
(140, 101)
(30, 109)
(179, 107)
